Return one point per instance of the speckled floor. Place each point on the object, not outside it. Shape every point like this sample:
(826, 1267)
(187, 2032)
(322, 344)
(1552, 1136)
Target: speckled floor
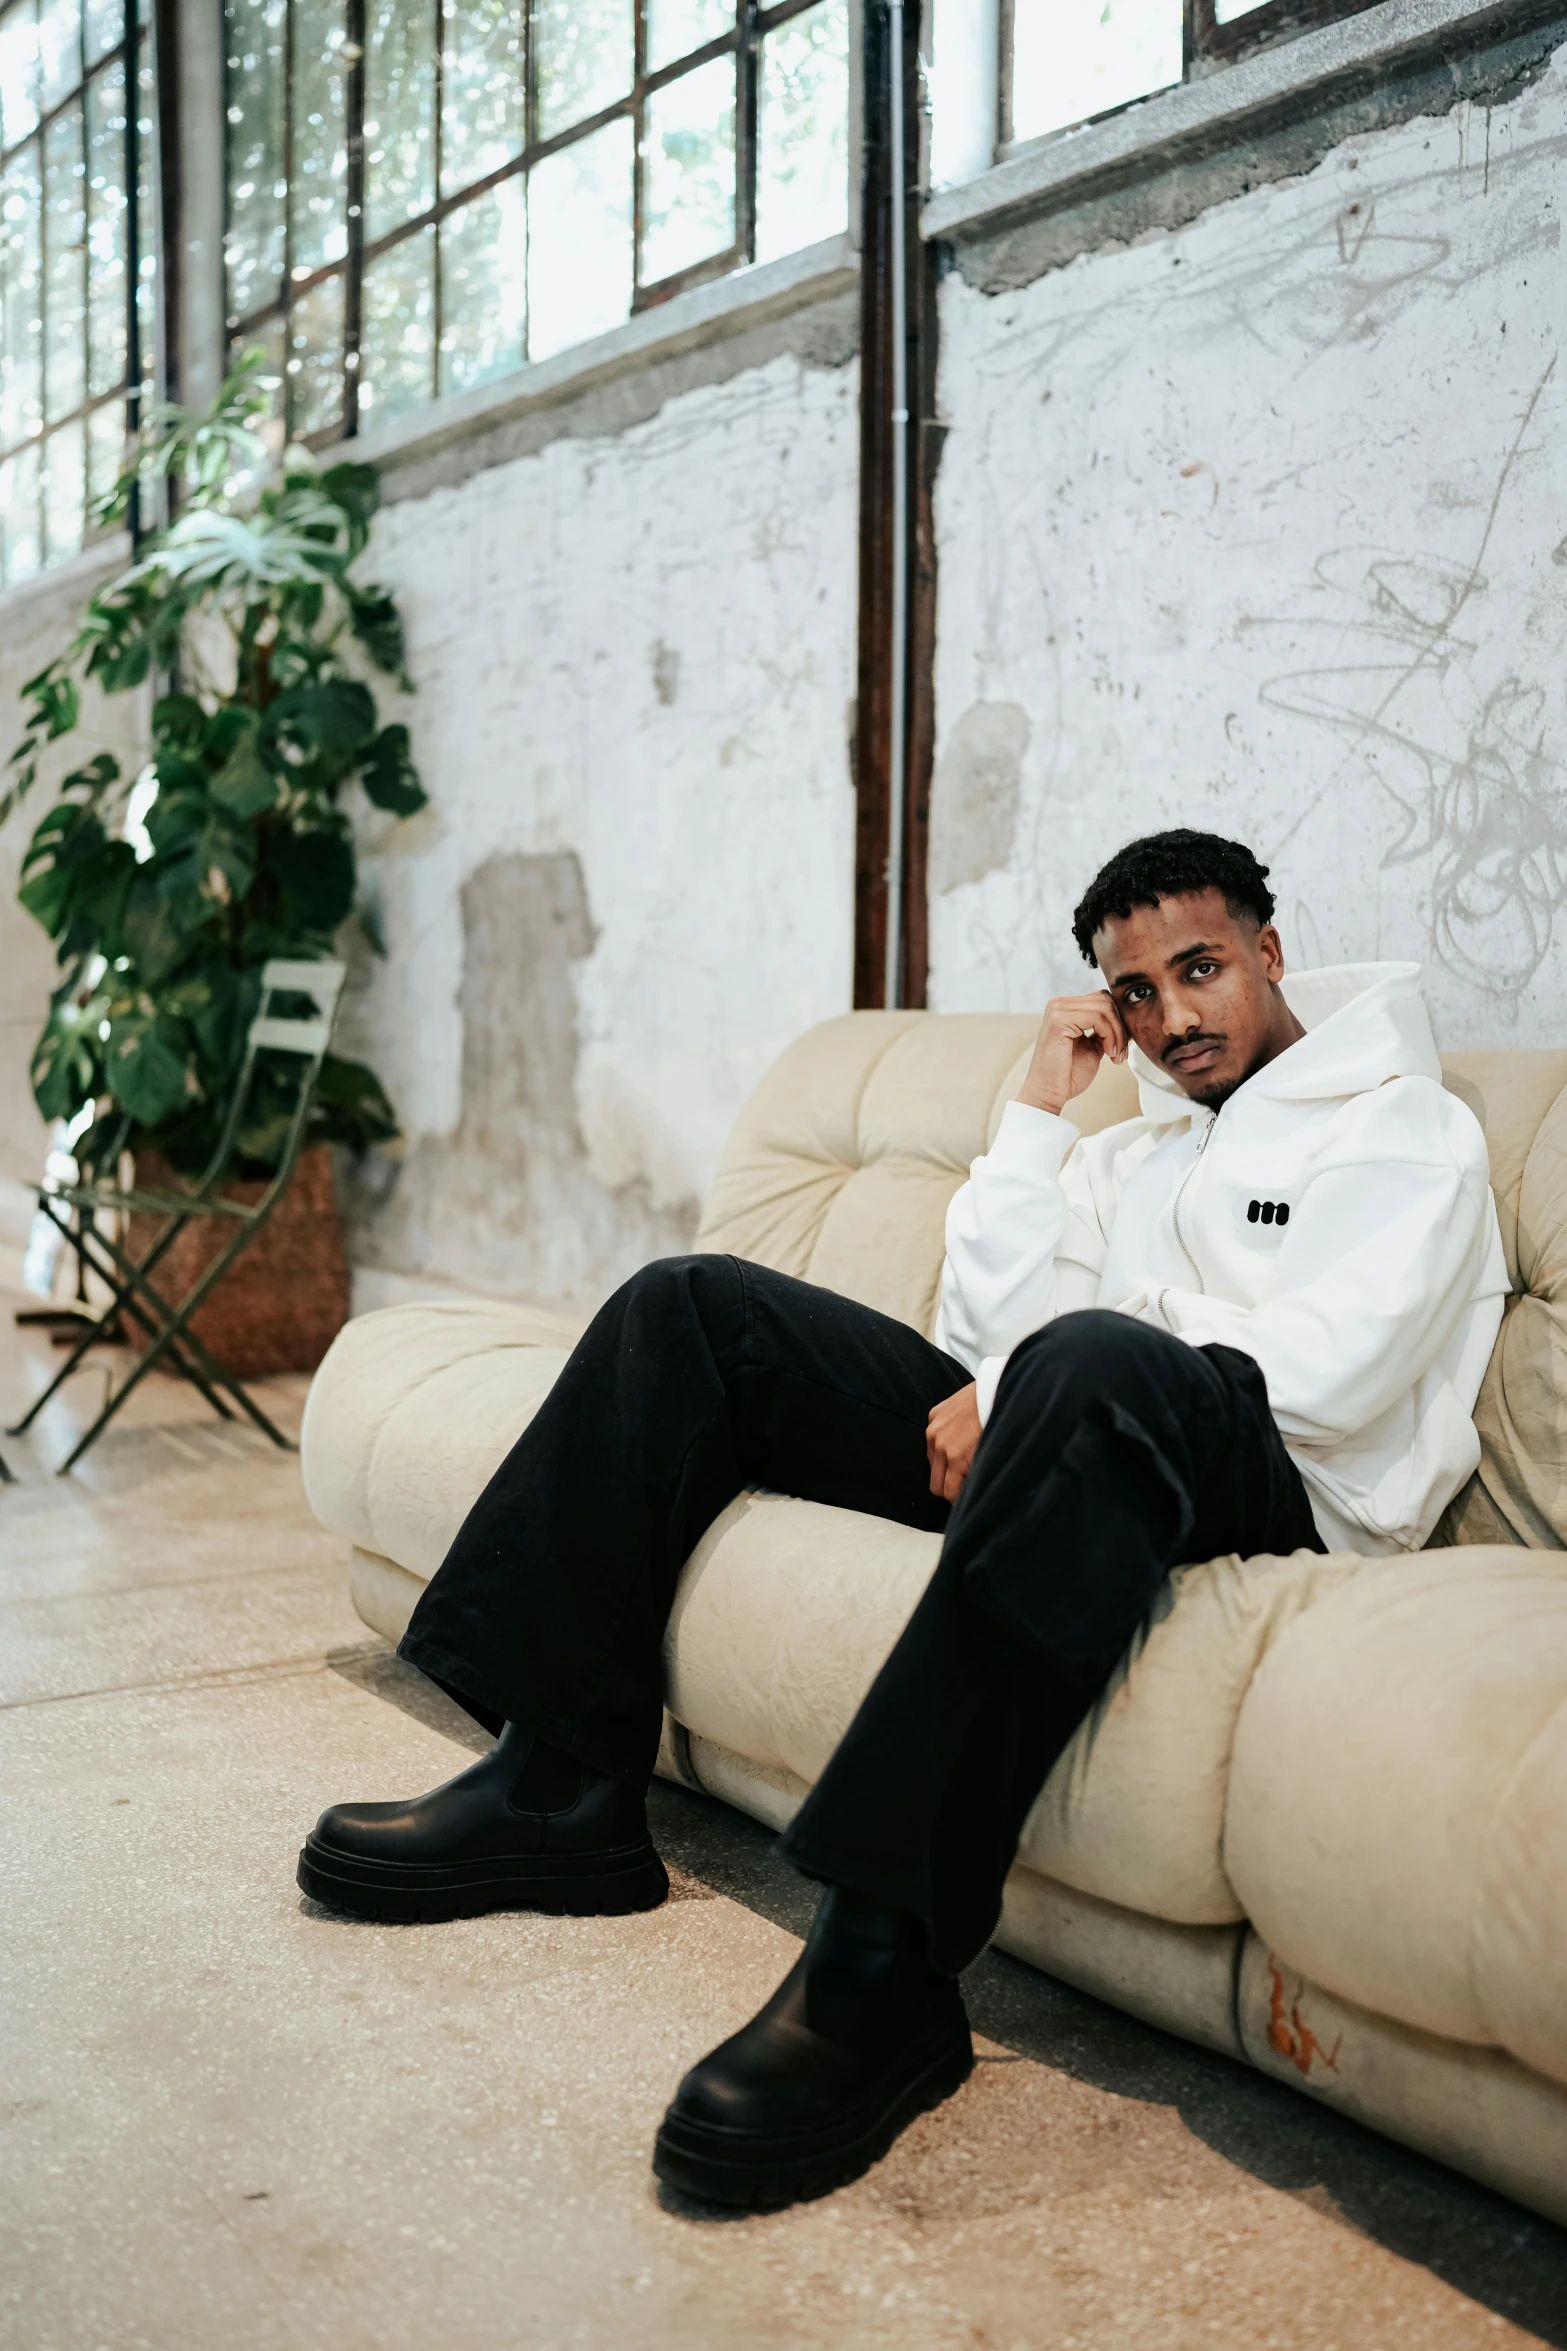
(229, 2123)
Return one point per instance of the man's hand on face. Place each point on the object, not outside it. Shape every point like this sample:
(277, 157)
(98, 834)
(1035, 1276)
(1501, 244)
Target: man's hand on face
(1075, 1035)
(951, 1434)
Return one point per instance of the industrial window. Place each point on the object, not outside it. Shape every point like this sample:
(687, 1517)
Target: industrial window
(76, 263)
(1065, 62)
(425, 193)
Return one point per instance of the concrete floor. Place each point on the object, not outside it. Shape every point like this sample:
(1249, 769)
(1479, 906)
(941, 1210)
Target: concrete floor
(229, 2120)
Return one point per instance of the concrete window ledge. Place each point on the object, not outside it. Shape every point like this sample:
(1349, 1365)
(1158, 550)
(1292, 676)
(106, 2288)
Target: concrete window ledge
(710, 314)
(1202, 117)
(69, 583)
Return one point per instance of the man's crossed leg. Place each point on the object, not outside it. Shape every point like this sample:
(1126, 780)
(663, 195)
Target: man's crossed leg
(1112, 1453)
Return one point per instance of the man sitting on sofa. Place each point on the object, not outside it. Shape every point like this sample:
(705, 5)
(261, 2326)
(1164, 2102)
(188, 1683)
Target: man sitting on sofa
(1254, 1319)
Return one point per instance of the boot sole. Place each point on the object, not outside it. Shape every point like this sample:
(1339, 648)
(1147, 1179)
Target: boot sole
(589, 1885)
(714, 2166)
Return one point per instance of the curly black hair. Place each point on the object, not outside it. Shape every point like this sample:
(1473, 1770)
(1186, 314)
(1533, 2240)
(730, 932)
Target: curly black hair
(1165, 865)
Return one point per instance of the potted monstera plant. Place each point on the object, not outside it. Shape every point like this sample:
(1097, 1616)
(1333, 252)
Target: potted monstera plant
(168, 887)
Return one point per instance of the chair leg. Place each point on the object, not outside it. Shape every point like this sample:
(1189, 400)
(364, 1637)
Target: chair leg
(174, 1337)
(89, 1338)
(8, 1476)
(197, 1361)
(125, 1303)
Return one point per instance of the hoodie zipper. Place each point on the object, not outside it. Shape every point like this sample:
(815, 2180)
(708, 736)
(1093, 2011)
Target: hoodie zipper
(1180, 1194)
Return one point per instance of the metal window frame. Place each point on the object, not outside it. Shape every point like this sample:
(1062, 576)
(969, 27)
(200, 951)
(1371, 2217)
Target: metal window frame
(753, 21)
(1207, 46)
(133, 48)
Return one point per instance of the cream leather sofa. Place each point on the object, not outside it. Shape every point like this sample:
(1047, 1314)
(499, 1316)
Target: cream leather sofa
(1319, 1821)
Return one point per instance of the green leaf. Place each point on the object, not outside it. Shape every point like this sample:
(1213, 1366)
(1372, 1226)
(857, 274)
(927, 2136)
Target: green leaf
(351, 1106)
(244, 784)
(221, 1015)
(176, 817)
(357, 490)
(61, 852)
(146, 1065)
(313, 874)
(206, 549)
(96, 922)
(155, 937)
(56, 703)
(67, 1063)
(178, 719)
(332, 719)
(96, 778)
(374, 620)
(389, 776)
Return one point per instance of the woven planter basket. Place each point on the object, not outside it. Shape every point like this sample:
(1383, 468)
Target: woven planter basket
(285, 1297)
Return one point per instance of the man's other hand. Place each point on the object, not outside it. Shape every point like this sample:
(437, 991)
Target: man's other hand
(1074, 1037)
(951, 1434)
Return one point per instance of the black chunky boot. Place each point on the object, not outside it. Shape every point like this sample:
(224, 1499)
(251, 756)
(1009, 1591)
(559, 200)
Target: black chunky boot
(860, 2037)
(525, 1828)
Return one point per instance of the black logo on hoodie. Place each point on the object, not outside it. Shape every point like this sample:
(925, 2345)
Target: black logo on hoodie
(1267, 1212)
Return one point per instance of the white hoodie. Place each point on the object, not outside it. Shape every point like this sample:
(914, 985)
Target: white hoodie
(1372, 1305)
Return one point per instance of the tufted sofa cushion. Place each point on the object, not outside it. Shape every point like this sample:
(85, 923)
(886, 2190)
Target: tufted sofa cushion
(1396, 1827)
(412, 1412)
(1519, 1492)
(844, 1159)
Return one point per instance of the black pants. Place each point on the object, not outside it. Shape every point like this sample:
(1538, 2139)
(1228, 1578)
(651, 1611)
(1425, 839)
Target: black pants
(1112, 1454)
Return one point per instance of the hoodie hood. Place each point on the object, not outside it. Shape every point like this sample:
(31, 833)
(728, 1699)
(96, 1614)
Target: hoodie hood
(1364, 1023)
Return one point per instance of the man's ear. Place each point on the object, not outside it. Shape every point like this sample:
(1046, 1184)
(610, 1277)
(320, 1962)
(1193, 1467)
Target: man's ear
(1271, 948)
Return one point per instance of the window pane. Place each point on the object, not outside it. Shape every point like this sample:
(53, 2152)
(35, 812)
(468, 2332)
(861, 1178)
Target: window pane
(19, 537)
(315, 359)
(64, 479)
(689, 161)
(1226, 11)
(65, 278)
(481, 89)
(105, 447)
(21, 306)
(579, 241)
(18, 74)
(399, 112)
(674, 27)
(802, 164)
(484, 284)
(583, 50)
(1074, 58)
(271, 340)
(106, 229)
(318, 198)
(397, 331)
(254, 249)
(105, 27)
(59, 49)
(146, 223)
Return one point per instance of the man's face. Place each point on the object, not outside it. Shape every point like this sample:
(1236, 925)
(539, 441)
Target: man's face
(1195, 986)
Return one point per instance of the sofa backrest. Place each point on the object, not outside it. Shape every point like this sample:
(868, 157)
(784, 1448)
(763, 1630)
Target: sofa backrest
(845, 1157)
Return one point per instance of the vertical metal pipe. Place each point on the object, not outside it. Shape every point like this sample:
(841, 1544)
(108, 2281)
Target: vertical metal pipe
(130, 50)
(898, 756)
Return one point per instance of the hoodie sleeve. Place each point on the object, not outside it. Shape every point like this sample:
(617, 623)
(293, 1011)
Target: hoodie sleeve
(1388, 1249)
(1025, 1242)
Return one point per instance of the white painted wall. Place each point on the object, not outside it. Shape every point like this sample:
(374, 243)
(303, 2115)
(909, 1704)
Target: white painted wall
(36, 624)
(638, 650)
(1261, 525)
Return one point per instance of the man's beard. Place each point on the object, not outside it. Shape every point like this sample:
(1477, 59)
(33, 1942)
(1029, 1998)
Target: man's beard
(1214, 1097)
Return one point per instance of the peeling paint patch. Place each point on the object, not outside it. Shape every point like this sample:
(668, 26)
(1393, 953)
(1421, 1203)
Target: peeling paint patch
(509, 1202)
(979, 792)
